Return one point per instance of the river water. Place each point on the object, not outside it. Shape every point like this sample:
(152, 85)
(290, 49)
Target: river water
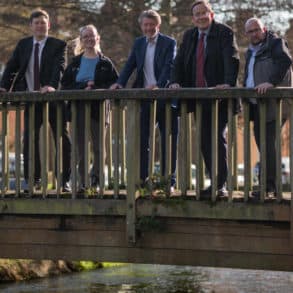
(133, 278)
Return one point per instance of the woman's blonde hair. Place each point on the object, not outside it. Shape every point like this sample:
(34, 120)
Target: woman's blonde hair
(78, 45)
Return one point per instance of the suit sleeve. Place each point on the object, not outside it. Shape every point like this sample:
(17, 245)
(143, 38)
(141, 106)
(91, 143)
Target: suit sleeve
(67, 81)
(128, 68)
(230, 57)
(168, 63)
(58, 65)
(11, 69)
(177, 68)
(281, 61)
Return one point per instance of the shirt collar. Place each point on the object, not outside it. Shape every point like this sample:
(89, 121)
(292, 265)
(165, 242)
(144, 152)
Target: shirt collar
(41, 42)
(206, 31)
(153, 40)
(254, 48)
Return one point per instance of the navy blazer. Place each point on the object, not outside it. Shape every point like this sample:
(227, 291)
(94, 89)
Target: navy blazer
(51, 67)
(164, 56)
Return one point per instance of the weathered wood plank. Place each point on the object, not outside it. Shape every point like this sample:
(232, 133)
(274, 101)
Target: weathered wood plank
(130, 94)
(164, 208)
(220, 210)
(152, 256)
(45, 222)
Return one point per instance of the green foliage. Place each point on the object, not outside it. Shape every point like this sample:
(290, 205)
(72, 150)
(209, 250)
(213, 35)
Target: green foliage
(147, 224)
(87, 265)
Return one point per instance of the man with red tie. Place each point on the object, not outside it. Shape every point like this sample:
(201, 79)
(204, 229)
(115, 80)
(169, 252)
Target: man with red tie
(36, 65)
(208, 57)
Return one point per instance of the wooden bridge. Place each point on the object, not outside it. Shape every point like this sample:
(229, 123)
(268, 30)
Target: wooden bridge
(125, 223)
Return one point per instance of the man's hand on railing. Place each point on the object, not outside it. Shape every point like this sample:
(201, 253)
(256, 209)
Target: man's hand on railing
(116, 86)
(2, 90)
(223, 86)
(152, 87)
(47, 89)
(90, 85)
(263, 87)
(174, 86)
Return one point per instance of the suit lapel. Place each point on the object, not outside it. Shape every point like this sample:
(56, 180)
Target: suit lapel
(27, 52)
(159, 48)
(141, 53)
(44, 54)
(191, 48)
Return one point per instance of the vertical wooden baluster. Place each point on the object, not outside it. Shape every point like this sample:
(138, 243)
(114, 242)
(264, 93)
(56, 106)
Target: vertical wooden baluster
(18, 157)
(214, 179)
(44, 164)
(263, 172)
(102, 148)
(73, 148)
(247, 151)
(199, 165)
(278, 130)
(132, 164)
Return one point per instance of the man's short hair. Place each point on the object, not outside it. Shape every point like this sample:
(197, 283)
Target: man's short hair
(198, 2)
(37, 13)
(150, 14)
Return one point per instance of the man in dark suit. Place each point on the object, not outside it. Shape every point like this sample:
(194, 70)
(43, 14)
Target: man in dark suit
(208, 57)
(152, 56)
(36, 65)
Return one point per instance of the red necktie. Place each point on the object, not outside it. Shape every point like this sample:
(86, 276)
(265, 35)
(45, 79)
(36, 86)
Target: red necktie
(36, 68)
(200, 80)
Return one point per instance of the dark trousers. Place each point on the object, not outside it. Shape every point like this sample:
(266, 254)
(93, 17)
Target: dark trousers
(95, 139)
(270, 146)
(145, 134)
(206, 144)
(66, 149)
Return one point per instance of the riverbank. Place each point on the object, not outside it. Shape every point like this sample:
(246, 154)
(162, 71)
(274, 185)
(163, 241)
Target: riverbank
(18, 270)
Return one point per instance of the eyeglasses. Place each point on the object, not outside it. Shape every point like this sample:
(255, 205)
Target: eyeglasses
(199, 14)
(88, 37)
(250, 32)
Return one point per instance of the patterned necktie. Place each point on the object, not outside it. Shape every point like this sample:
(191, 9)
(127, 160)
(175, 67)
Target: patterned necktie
(36, 68)
(200, 80)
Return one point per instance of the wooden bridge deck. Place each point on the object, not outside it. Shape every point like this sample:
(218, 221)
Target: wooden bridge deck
(169, 231)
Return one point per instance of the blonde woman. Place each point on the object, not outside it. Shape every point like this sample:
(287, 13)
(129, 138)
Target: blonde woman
(89, 69)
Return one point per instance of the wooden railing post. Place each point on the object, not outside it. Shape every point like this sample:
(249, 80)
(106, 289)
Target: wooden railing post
(263, 165)
(291, 173)
(116, 131)
(5, 163)
(168, 147)
(278, 166)
(230, 149)
(73, 149)
(31, 177)
(17, 149)
(198, 158)
(122, 145)
(102, 132)
(59, 153)
(182, 154)
(247, 150)
(44, 160)
(132, 164)
(152, 141)
(214, 175)
(87, 149)
(189, 151)
(109, 147)
(235, 151)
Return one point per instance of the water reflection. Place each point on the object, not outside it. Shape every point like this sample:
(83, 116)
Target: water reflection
(160, 279)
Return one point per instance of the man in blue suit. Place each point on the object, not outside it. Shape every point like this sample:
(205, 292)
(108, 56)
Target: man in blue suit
(152, 56)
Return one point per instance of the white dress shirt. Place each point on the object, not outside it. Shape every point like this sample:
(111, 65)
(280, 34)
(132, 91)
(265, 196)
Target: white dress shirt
(29, 74)
(148, 68)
